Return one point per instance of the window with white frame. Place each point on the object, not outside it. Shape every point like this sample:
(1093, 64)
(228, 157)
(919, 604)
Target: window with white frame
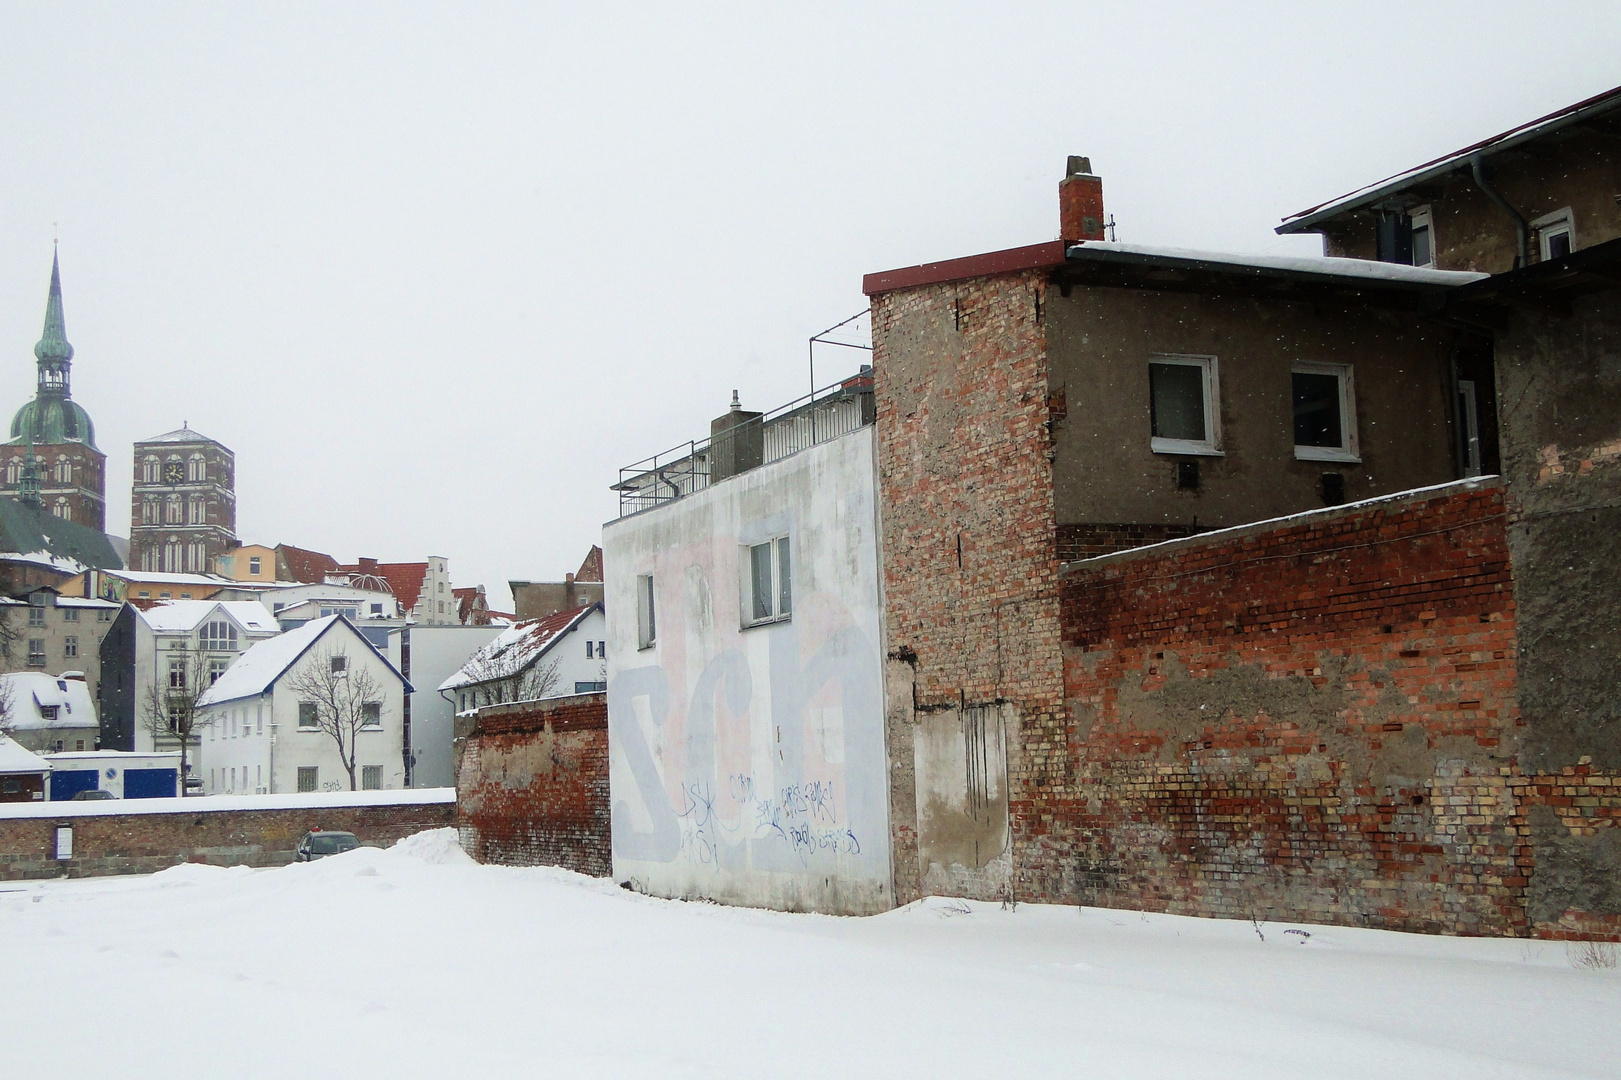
(1556, 234)
(219, 636)
(1185, 405)
(646, 612)
(1422, 230)
(1324, 398)
(768, 582)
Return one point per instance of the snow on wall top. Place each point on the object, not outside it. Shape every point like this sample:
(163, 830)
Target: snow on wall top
(314, 800)
(515, 648)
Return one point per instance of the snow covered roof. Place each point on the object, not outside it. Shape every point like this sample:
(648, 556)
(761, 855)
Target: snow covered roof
(183, 616)
(179, 435)
(1307, 220)
(32, 692)
(257, 669)
(85, 602)
(1365, 270)
(145, 578)
(14, 759)
(516, 648)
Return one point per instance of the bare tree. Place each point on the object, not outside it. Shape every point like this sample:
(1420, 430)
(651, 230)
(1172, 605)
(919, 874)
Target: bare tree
(490, 676)
(171, 711)
(346, 699)
(8, 718)
(539, 681)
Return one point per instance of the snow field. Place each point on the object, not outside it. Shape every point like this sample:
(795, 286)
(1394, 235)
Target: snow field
(416, 962)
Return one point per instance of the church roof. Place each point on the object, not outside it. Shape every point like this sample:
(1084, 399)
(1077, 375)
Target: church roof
(34, 534)
(53, 417)
(53, 343)
(180, 435)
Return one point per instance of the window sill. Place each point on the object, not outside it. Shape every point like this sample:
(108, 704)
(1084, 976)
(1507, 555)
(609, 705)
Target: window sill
(773, 621)
(651, 645)
(1326, 453)
(1183, 446)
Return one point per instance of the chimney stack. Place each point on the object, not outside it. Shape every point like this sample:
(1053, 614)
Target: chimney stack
(1080, 202)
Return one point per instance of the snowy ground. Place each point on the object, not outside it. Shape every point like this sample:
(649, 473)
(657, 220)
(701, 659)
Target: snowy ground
(416, 962)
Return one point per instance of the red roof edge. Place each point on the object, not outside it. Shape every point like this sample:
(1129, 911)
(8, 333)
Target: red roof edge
(1031, 257)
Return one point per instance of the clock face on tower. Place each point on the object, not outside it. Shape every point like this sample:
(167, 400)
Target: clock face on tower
(174, 472)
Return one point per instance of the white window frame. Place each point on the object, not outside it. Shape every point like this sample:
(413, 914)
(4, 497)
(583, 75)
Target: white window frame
(1210, 446)
(1423, 216)
(1350, 449)
(774, 555)
(1550, 225)
(646, 612)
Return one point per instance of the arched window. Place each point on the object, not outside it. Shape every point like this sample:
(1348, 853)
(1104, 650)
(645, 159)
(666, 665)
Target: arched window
(149, 469)
(173, 556)
(171, 511)
(196, 469)
(63, 510)
(149, 560)
(197, 512)
(64, 470)
(149, 512)
(14, 472)
(195, 554)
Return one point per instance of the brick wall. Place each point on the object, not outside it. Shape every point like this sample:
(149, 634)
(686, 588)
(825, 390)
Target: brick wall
(1089, 541)
(532, 785)
(967, 524)
(1316, 720)
(144, 843)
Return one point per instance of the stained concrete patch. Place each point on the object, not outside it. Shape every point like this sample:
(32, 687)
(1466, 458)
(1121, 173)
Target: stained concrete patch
(1573, 873)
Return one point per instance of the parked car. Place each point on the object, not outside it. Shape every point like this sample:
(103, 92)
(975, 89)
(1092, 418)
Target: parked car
(92, 794)
(318, 844)
(194, 785)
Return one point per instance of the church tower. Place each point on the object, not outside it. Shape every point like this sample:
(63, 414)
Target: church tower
(53, 427)
(182, 511)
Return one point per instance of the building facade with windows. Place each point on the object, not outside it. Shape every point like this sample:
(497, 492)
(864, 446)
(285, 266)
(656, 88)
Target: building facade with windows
(182, 503)
(564, 653)
(745, 665)
(169, 646)
(47, 631)
(50, 714)
(427, 656)
(57, 432)
(268, 722)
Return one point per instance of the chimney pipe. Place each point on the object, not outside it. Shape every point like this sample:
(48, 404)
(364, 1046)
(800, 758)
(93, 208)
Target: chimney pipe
(1080, 202)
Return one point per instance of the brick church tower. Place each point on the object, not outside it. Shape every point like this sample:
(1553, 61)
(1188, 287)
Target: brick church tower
(183, 504)
(72, 472)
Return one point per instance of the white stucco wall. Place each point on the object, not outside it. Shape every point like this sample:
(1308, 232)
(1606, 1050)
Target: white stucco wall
(436, 653)
(748, 765)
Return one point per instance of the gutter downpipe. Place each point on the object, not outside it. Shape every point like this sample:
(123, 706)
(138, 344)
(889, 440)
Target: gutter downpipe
(1521, 231)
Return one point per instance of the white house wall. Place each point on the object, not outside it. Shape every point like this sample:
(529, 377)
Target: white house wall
(748, 765)
(294, 748)
(436, 654)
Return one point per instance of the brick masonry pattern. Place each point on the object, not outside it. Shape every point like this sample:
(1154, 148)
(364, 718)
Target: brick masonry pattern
(532, 785)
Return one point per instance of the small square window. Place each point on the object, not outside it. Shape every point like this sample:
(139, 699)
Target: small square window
(253, 565)
(1184, 403)
(1324, 402)
(646, 613)
(308, 718)
(340, 664)
(36, 616)
(70, 614)
(371, 777)
(307, 777)
(769, 588)
(371, 715)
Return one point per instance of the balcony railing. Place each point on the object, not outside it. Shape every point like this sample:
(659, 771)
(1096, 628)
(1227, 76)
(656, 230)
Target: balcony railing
(753, 441)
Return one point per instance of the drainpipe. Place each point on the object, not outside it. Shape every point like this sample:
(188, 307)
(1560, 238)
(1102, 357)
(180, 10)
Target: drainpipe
(1521, 232)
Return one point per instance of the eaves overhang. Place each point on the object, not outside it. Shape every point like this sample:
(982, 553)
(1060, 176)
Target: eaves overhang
(1312, 219)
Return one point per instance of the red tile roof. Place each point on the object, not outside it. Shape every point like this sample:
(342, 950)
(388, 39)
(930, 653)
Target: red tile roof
(308, 567)
(404, 578)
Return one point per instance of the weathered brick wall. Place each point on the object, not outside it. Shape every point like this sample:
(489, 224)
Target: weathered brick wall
(1089, 541)
(144, 843)
(532, 785)
(967, 524)
(1315, 720)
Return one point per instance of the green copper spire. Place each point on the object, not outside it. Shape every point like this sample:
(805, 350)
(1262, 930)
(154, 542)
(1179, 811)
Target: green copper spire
(28, 490)
(54, 353)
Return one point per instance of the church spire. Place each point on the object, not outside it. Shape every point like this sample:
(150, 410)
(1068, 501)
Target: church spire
(54, 353)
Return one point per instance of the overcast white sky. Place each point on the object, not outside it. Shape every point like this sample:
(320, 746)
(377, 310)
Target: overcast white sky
(435, 272)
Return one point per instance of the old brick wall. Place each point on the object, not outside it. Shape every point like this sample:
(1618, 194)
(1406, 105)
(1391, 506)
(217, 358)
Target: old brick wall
(1316, 720)
(143, 843)
(969, 568)
(1088, 541)
(532, 785)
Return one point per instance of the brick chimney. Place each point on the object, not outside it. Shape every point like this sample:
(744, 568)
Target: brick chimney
(368, 566)
(1080, 202)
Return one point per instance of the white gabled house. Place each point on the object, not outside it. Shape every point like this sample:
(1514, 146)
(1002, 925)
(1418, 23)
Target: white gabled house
(50, 713)
(562, 654)
(267, 722)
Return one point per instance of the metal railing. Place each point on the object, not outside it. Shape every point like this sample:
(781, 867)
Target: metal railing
(818, 417)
